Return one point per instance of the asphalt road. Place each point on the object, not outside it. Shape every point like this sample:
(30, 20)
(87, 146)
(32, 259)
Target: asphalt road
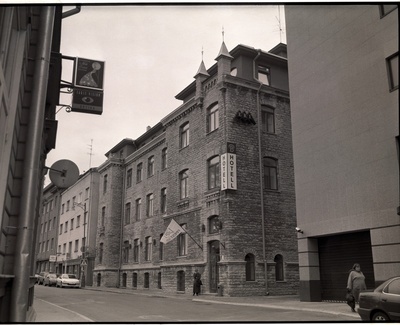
(99, 306)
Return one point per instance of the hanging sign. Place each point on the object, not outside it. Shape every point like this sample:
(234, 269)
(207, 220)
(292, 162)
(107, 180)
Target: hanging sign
(89, 73)
(87, 101)
(228, 168)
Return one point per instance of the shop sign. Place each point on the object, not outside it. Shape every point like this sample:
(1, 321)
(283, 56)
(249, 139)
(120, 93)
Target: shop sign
(228, 168)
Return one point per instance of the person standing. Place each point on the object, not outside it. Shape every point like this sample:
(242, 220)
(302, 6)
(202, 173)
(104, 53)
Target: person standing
(196, 282)
(356, 282)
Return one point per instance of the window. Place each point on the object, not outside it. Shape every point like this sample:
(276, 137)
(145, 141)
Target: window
(127, 213)
(164, 158)
(136, 250)
(264, 75)
(180, 283)
(213, 173)
(270, 174)
(386, 9)
(213, 225)
(52, 244)
(163, 198)
(76, 245)
(62, 208)
(146, 283)
(182, 249)
(234, 72)
(268, 119)
(125, 252)
(45, 226)
(66, 226)
(129, 178)
(73, 202)
(278, 267)
(250, 267)
(161, 248)
(138, 208)
(148, 248)
(139, 173)
(213, 118)
(184, 135)
(70, 247)
(101, 248)
(105, 180)
(64, 248)
(150, 166)
(78, 221)
(68, 205)
(392, 63)
(72, 223)
(150, 205)
(103, 216)
(134, 280)
(183, 184)
(393, 287)
(61, 229)
(87, 193)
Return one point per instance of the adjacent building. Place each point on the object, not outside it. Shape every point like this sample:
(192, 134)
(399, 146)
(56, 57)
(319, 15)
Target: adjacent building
(77, 227)
(343, 76)
(220, 166)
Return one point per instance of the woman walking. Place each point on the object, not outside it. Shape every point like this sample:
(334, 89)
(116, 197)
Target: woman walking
(356, 282)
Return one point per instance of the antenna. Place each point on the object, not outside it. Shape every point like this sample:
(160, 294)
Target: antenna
(223, 34)
(279, 24)
(202, 53)
(90, 153)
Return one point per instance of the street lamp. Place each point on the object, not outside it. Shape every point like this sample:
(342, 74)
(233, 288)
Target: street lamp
(83, 249)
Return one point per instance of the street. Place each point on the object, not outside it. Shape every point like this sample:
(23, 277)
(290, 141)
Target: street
(101, 306)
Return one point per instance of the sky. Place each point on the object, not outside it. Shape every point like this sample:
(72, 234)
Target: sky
(151, 53)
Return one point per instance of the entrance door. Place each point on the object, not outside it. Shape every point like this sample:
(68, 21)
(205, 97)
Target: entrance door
(337, 254)
(214, 258)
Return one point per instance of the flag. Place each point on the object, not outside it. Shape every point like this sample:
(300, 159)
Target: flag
(173, 230)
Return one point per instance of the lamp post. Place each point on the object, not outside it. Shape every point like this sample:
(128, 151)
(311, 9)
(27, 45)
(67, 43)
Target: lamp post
(83, 249)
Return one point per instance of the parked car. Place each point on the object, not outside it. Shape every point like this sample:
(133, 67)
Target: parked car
(68, 280)
(50, 279)
(42, 275)
(37, 278)
(383, 303)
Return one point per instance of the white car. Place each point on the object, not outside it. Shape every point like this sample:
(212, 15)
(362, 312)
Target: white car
(68, 281)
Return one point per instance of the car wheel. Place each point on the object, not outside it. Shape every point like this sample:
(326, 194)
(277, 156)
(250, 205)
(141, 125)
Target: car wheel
(380, 316)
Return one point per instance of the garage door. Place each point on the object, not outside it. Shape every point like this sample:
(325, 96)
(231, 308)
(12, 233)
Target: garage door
(337, 254)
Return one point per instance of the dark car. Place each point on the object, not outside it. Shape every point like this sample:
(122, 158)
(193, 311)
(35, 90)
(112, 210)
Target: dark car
(41, 277)
(383, 303)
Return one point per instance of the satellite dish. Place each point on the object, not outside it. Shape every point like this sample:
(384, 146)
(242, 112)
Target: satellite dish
(64, 173)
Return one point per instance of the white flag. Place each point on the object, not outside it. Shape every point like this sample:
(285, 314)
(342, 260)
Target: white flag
(173, 230)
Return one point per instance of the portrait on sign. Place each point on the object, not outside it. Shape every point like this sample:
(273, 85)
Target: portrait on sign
(89, 73)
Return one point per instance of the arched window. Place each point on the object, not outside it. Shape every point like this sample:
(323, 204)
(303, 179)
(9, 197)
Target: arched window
(279, 267)
(250, 267)
(213, 172)
(146, 280)
(270, 173)
(234, 72)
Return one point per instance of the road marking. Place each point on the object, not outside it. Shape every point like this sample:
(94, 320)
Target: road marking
(71, 311)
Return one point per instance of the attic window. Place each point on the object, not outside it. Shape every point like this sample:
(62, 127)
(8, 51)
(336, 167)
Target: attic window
(234, 72)
(264, 75)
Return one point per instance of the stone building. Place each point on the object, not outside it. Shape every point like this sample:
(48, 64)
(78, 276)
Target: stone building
(343, 72)
(221, 166)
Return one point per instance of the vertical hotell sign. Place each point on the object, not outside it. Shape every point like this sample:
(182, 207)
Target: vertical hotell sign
(228, 168)
(88, 86)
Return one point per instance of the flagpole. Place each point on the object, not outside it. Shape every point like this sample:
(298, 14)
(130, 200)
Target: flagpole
(192, 239)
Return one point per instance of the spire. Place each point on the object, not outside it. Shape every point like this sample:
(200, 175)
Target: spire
(223, 51)
(202, 69)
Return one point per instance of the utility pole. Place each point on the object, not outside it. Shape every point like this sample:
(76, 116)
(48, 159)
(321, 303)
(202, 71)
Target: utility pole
(83, 248)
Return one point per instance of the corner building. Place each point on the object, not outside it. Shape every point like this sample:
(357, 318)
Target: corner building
(221, 166)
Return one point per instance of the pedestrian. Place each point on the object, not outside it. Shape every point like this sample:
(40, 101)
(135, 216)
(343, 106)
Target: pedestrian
(196, 282)
(356, 282)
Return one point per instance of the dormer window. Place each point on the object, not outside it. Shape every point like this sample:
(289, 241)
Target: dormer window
(264, 75)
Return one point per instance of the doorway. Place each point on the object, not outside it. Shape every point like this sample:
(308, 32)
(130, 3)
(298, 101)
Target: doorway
(214, 258)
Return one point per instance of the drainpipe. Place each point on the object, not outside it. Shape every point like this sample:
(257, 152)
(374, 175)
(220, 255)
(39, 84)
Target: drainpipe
(71, 12)
(23, 249)
(261, 173)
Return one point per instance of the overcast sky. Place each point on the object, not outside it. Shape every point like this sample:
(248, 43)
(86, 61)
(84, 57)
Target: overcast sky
(151, 53)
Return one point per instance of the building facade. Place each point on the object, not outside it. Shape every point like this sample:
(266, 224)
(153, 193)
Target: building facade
(221, 166)
(77, 227)
(28, 35)
(47, 232)
(343, 73)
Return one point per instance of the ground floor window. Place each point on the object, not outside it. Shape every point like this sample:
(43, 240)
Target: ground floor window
(124, 279)
(159, 280)
(279, 275)
(134, 280)
(250, 267)
(181, 281)
(146, 280)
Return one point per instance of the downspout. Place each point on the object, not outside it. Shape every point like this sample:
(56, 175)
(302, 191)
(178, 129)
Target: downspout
(260, 162)
(71, 12)
(23, 249)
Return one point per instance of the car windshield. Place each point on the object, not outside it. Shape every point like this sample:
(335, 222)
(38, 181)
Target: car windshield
(71, 276)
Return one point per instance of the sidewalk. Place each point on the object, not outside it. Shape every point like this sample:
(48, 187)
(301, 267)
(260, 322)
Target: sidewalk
(44, 314)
